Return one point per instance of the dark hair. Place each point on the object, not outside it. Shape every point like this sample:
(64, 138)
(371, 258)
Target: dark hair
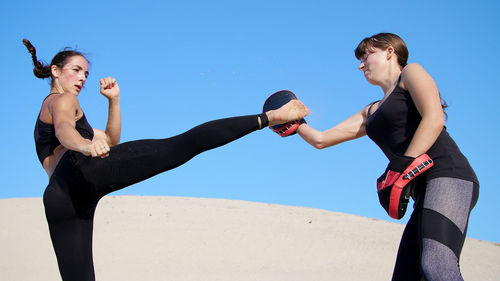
(41, 69)
(383, 41)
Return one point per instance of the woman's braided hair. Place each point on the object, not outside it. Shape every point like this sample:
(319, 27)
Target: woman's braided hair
(41, 69)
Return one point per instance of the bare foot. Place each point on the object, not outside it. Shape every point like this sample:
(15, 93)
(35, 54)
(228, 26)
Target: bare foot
(293, 110)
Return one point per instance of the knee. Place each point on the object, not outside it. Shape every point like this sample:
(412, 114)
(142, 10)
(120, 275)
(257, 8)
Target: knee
(439, 262)
(434, 271)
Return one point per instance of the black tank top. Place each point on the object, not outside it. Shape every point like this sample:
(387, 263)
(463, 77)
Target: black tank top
(46, 140)
(393, 125)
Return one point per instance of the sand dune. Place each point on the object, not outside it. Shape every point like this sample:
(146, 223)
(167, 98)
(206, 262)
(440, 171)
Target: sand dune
(172, 238)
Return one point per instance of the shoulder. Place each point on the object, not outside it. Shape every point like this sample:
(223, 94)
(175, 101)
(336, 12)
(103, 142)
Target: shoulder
(411, 74)
(367, 110)
(412, 68)
(55, 103)
(64, 106)
(62, 102)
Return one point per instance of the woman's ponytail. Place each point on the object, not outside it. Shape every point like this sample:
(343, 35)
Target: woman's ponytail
(41, 69)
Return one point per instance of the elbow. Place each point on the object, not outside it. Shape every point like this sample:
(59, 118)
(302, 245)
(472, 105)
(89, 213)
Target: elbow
(113, 141)
(435, 119)
(320, 141)
(314, 138)
(112, 138)
(319, 144)
(316, 141)
(442, 123)
(435, 123)
(439, 122)
(442, 119)
(58, 135)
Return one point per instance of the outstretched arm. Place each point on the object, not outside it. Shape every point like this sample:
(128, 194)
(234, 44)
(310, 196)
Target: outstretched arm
(349, 129)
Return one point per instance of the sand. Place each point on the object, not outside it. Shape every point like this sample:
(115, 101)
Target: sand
(174, 238)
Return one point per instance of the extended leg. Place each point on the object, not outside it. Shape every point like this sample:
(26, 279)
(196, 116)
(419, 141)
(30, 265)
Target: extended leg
(131, 162)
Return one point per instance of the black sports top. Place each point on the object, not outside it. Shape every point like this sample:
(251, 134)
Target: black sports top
(393, 125)
(46, 140)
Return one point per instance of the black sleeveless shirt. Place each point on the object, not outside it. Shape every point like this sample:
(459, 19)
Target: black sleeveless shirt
(46, 140)
(393, 125)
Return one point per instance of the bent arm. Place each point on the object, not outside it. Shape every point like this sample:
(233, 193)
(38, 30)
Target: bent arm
(63, 115)
(349, 129)
(111, 90)
(425, 95)
(114, 124)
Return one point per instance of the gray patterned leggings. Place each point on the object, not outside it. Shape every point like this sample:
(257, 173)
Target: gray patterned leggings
(434, 236)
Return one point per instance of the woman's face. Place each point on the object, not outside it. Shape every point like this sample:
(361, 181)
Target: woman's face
(71, 78)
(373, 64)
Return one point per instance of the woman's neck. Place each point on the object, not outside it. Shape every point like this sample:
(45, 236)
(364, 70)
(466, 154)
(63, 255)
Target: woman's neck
(56, 87)
(389, 84)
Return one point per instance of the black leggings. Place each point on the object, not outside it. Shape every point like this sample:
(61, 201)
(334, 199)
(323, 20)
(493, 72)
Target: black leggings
(79, 181)
(435, 234)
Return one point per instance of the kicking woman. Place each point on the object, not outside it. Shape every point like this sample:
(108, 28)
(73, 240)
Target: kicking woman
(406, 123)
(84, 164)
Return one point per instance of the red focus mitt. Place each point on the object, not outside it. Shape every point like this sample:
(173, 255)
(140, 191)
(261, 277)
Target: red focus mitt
(393, 186)
(276, 101)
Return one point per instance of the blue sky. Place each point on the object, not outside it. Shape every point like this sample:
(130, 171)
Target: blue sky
(186, 62)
